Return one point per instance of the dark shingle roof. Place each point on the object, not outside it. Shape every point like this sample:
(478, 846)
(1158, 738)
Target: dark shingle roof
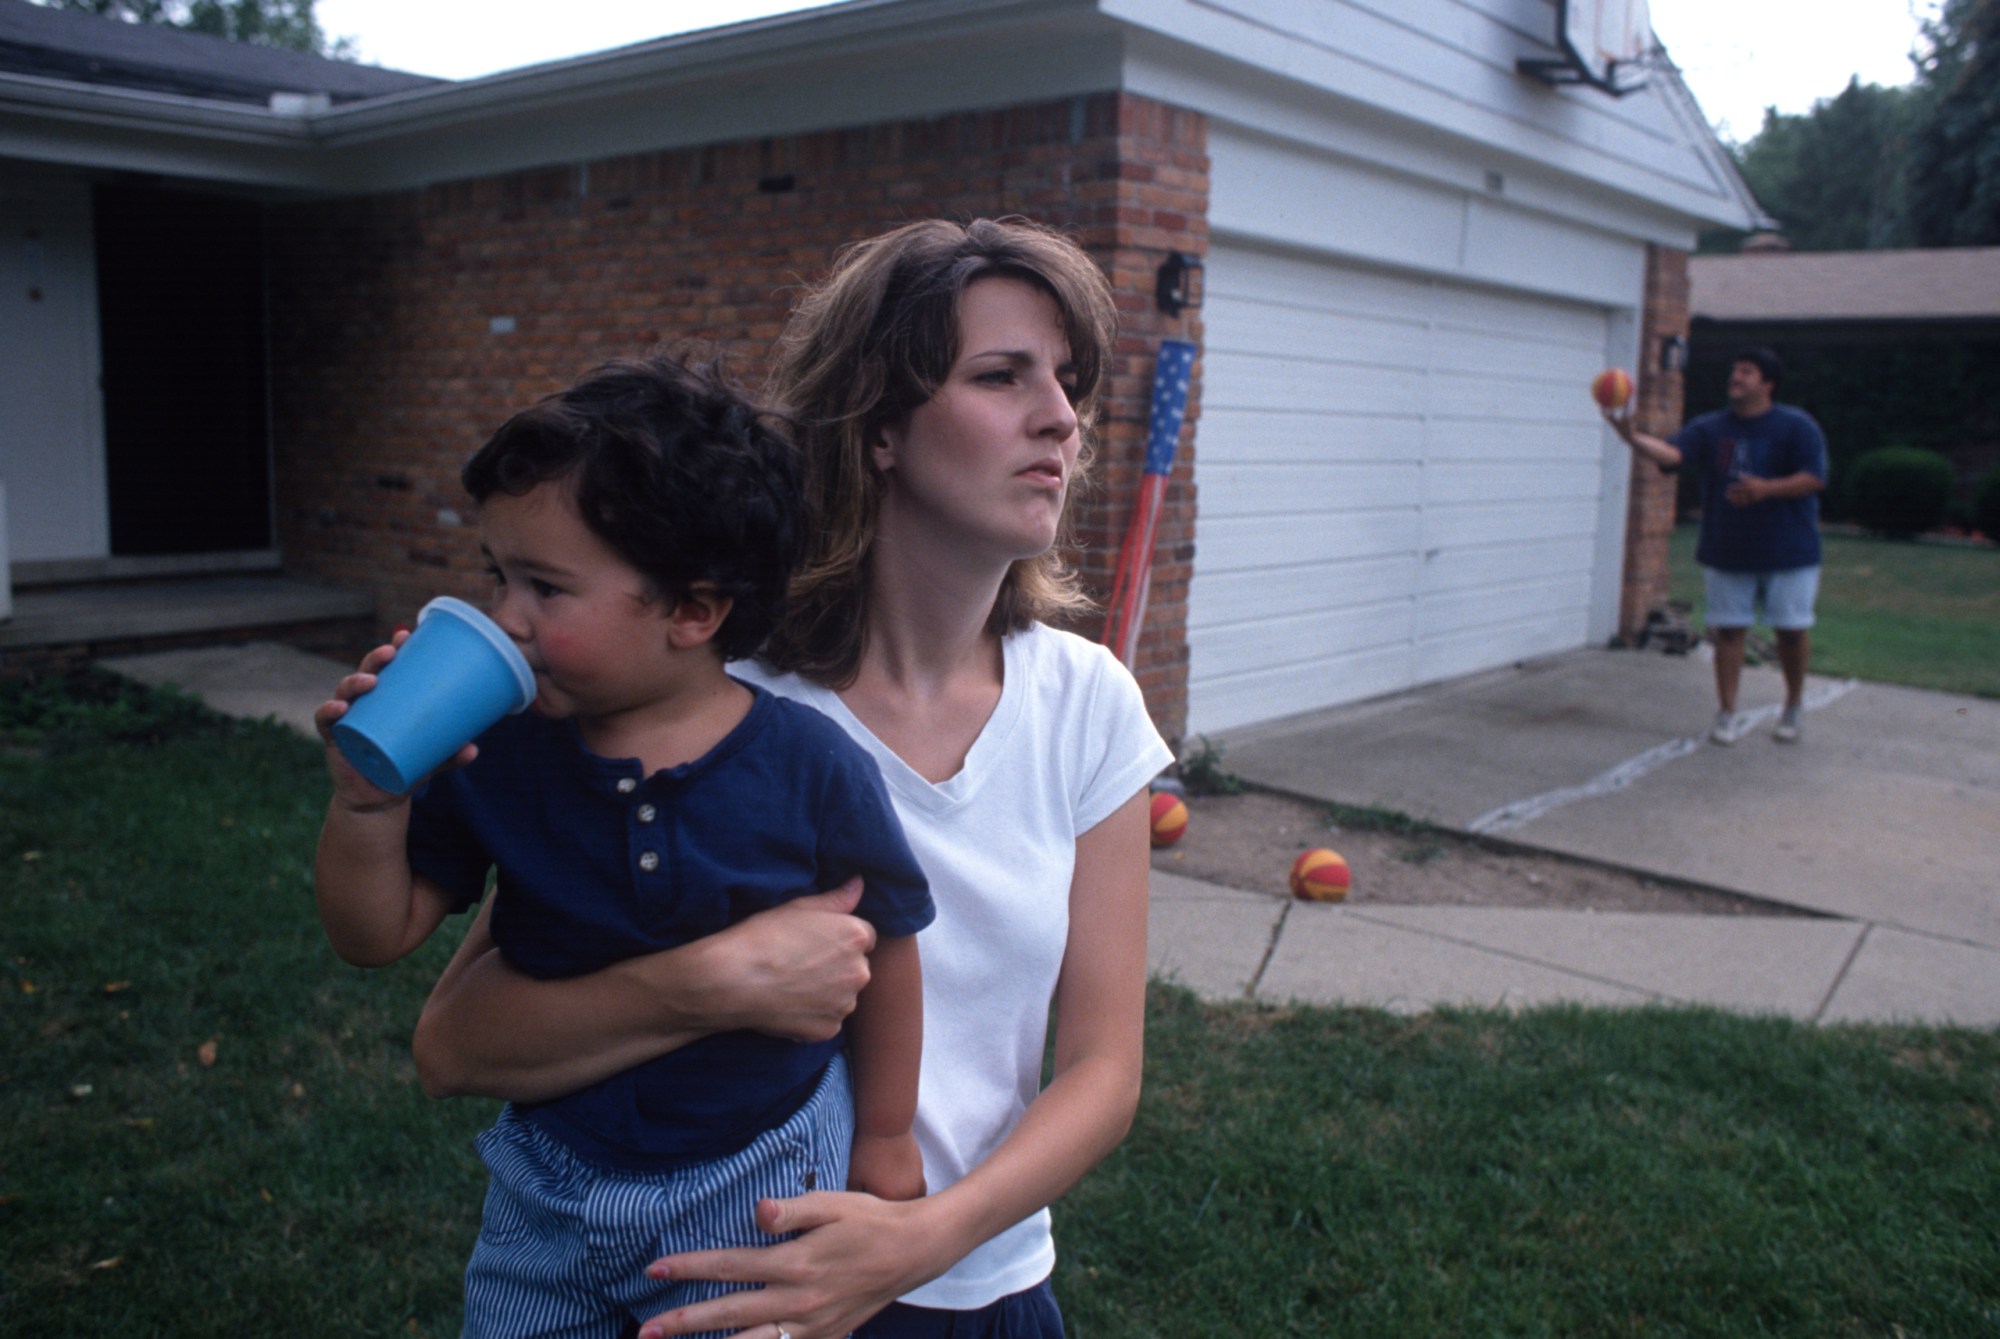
(87, 49)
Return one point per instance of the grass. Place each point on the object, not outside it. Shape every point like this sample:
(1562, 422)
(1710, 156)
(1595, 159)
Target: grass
(1296, 1171)
(1422, 844)
(1922, 615)
(156, 911)
(1566, 1172)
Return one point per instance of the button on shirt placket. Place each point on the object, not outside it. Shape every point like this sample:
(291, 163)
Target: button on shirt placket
(648, 859)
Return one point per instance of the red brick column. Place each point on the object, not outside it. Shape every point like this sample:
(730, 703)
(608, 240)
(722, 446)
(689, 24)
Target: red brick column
(1649, 516)
(1155, 204)
(408, 326)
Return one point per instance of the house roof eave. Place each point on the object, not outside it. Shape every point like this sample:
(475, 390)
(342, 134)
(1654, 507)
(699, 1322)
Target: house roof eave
(778, 75)
(1751, 216)
(57, 121)
(821, 38)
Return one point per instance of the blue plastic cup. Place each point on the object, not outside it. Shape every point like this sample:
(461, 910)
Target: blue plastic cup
(456, 675)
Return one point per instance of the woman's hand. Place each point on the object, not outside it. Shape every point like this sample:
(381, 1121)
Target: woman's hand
(794, 971)
(489, 1031)
(853, 1256)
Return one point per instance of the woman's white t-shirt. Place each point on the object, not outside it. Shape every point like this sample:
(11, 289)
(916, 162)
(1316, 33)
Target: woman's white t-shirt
(1068, 743)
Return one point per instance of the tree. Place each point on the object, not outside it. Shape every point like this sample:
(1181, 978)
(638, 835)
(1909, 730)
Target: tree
(1954, 168)
(1891, 167)
(289, 24)
(1834, 176)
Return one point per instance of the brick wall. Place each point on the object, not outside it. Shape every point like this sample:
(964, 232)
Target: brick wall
(1649, 518)
(406, 327)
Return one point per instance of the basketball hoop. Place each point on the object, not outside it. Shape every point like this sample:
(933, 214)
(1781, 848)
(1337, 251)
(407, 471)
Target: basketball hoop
(1604, 45)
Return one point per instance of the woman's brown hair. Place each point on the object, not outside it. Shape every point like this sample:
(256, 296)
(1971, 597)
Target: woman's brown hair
(864, 348)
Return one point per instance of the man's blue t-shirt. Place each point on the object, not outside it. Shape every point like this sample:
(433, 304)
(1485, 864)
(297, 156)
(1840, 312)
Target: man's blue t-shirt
(599, 862)
(1770, 536)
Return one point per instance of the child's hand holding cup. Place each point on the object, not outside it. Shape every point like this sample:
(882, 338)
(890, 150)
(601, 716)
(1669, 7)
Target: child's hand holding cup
(436, 689)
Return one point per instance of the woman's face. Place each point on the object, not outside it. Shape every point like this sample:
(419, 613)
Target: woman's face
(982, 467)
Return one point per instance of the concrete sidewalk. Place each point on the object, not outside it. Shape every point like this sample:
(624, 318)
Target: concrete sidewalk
(1885, 820)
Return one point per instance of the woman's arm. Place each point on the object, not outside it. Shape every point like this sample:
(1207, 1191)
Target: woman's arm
(489, 1031)
(856, 1254)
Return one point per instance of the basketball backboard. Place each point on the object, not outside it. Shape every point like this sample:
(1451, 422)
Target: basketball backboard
(1604, 43)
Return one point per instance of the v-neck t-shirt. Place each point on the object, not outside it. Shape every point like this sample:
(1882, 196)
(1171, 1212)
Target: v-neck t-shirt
(1067, 744)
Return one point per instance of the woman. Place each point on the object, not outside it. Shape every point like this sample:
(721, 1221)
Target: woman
(943, 379)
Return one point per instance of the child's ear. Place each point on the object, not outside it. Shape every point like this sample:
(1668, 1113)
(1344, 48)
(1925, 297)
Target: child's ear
(697, 615)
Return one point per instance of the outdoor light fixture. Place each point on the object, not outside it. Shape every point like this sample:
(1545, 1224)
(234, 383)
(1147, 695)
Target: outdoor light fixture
(1674, 353)
(1179, 287)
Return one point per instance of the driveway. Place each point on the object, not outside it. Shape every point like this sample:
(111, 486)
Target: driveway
(1888, 810)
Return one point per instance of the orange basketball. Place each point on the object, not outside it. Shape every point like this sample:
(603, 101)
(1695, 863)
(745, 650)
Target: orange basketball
(1320, 876)
(1169, 818)
(1612, 388)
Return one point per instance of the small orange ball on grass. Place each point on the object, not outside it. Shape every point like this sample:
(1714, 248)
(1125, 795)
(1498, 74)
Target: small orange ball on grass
(1170, 818)
(1320, 875)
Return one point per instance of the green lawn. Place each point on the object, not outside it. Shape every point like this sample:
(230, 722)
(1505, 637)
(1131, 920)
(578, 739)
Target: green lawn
(1566, 1172)
(155, 896)
(1925, 615)
(1310, 1172)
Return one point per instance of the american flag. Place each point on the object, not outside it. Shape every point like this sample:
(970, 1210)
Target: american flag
(1133, 582)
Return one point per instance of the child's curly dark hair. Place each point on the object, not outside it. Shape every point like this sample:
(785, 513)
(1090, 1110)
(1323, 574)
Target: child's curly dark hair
(678, 472)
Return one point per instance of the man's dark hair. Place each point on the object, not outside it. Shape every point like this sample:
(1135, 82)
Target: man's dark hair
(1765, 361)
(677, 472)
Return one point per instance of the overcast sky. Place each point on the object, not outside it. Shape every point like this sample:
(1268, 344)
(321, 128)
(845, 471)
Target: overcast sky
(1737, 55)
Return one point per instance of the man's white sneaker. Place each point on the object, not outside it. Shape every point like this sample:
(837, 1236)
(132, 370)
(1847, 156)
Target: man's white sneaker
(1788, 727)
(1728, 728)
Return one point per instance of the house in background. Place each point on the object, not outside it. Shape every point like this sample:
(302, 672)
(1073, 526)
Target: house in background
(1421, 228)
(135, 370)
(1883, 347)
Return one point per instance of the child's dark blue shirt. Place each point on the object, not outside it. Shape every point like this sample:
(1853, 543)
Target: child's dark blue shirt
(598, 862)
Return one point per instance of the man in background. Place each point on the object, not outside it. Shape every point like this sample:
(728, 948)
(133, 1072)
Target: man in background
(1762, 467)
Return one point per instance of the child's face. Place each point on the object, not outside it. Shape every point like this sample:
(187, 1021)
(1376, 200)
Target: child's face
(580, 613)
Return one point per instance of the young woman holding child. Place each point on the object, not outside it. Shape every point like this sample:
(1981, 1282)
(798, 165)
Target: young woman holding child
(942, 381)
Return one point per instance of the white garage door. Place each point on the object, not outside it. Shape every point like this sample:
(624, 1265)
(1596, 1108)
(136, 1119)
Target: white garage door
(1398, 481)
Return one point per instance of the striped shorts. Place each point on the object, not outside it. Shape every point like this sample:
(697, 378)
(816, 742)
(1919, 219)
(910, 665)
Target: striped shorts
(564, 1243)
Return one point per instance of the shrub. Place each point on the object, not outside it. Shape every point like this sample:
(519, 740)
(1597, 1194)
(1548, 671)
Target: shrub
(1202, 771)
(1899, 490)
(1986, 505)
(62, 708)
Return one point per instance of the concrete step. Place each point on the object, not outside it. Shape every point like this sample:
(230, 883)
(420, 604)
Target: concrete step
(54, 626)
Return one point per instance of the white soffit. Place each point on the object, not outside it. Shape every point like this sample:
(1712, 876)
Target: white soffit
(1431, 86)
